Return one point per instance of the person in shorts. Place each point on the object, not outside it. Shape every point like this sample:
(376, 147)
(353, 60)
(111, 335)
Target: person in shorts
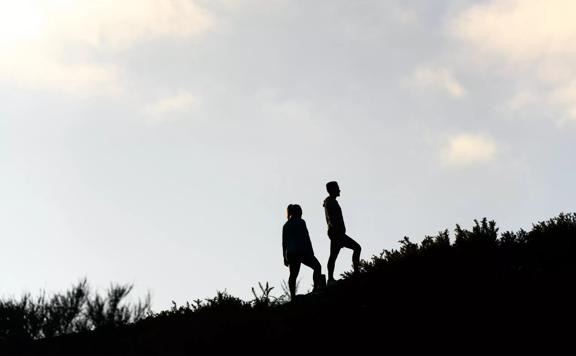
(337, 231)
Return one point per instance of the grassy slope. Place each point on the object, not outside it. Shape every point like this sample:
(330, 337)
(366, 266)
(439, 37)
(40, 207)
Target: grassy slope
(483, 290)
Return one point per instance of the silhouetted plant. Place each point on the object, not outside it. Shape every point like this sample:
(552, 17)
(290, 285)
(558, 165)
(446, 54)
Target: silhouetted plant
(263, 299)
(483, 235)
(551, 242)
(76, 310)
(63, 313)
(110, 311)
(223, 301)
(436, 243)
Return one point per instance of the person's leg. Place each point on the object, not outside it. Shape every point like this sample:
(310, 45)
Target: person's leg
(294, 265)
(348, 242)
(334, 251)
(312, 262)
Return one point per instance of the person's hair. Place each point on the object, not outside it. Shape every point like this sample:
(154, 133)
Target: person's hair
(330, 186)
(293, 209)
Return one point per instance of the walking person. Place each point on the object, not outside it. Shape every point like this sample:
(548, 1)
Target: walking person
(337, 231)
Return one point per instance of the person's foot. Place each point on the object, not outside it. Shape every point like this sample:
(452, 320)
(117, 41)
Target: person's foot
(331, 281)
(319, 283)
(323, 281)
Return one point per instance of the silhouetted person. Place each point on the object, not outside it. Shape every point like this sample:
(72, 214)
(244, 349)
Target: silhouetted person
(337, 231)
(297, 249)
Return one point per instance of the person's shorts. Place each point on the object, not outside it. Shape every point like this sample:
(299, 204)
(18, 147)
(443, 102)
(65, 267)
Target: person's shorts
(338, 241)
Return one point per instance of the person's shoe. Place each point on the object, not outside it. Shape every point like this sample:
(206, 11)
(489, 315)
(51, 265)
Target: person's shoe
(331, 281)
(322, 281)
(319, 284)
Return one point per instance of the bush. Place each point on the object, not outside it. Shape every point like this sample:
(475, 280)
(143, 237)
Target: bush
(76, 310)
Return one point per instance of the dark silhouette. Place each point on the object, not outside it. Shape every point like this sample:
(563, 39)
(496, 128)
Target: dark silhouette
(337, 231)
(79, 309)
(474, 290)
(297, 249)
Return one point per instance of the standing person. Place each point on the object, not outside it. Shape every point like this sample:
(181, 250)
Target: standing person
(337, 231)
(297, 249)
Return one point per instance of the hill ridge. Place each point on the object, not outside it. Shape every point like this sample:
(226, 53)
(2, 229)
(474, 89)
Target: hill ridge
(482, 288)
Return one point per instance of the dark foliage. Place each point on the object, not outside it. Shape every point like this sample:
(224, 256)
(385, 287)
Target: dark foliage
(479, 291)
(76, 310)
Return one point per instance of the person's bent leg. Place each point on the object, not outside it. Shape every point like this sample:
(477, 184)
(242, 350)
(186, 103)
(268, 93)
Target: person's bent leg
(294, 270)
(312, 262)
(334, 251)
(348, 242)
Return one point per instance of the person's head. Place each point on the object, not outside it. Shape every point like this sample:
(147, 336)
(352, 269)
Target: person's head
(294, 210)
(333, 189)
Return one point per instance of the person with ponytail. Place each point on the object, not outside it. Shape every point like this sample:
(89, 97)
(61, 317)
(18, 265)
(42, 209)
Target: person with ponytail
(297, 249)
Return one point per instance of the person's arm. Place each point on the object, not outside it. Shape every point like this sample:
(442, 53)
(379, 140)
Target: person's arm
(284, 243)
(308, 240)
(329, 212)
(334, 214)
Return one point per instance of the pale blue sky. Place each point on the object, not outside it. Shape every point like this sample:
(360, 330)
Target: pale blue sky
(158, 142)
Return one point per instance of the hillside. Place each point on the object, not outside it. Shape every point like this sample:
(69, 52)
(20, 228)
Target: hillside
(478, 288)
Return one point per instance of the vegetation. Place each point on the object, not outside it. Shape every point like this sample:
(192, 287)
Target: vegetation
(480, 284)
(77, 310)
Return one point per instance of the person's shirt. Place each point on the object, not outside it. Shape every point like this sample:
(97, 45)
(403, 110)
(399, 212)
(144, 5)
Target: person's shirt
(295, 238)
(334, 217)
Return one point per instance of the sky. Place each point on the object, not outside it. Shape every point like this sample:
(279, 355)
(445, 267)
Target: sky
(158, 142)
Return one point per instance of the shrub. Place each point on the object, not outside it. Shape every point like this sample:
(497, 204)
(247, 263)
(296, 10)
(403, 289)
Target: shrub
(76, 310)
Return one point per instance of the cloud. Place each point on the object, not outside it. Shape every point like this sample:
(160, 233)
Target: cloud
(520, 29)
(533, 40)
(465, 149)
(169, 105)
(50, 43)
(163, 109)
(35, 68)
(438, 79)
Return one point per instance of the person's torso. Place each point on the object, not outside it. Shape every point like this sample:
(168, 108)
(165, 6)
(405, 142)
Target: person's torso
(334, 217)
(296, 235)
